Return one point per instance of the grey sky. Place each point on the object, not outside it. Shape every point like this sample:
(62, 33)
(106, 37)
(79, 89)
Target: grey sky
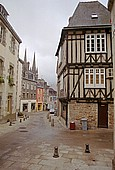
(38, 23)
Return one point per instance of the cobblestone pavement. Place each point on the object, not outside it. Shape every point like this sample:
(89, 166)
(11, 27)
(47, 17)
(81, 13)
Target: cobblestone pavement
(30, 146)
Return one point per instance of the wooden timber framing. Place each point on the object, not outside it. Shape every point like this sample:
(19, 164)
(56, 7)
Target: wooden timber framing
(84, 67)
(77, 60)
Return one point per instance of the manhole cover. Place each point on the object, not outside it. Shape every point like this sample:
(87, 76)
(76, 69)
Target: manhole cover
(22, 127)
(23, 130)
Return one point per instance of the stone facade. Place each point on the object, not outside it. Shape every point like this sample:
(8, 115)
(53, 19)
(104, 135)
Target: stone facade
(111, 116)
(9, 58)
(83, 110)
(111, 7)
(29, 84)
(77, 111)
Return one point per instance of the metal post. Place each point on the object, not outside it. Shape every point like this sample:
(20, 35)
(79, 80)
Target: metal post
(10, 123)
(87, 148)
(49, 118)
(52, 122)
(56, 155)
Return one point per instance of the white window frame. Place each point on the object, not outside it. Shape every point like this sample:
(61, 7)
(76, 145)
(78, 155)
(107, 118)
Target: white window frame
(31, 86)
(95, 73)
(93, 39)
(28, 85)
(110, 72)
(88, 74)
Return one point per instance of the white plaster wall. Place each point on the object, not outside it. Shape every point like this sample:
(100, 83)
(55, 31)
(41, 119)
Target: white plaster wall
(9, 58)
(29, 102)
(19, 85)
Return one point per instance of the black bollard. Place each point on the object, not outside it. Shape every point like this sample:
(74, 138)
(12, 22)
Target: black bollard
(52, 122)
(10, 123)
(56, 155)
(48, 115)
(87, 148)
(20, 120)
(49, 118)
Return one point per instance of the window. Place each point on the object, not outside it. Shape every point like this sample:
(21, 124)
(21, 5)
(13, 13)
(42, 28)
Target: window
(11, 71)
(12, 45)
(95, 43)
(27, 95)
(110, 72)
(2, 35)
(34, 87)
(31, 87)
(9, 106)
(23, 95)
(1, 67)
(11, 75)
(94, 78)
(89, 77)
(94, 16)
(27, 86)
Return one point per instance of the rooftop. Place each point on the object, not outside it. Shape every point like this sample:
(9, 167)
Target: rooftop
(90, 14)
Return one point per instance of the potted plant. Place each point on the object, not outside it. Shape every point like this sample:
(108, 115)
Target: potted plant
(1, 79)
(11, 81)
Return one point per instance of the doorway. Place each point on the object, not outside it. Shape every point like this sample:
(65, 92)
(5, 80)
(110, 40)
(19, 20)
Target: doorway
(103, 115)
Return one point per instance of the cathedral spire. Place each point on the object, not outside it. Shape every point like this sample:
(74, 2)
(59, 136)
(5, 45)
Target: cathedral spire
(34, 64)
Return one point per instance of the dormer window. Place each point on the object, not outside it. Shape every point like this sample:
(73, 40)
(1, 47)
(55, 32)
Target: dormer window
(94, 16)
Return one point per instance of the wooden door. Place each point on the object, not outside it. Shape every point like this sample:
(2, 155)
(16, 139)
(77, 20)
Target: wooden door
(102, 115)
(9, 107)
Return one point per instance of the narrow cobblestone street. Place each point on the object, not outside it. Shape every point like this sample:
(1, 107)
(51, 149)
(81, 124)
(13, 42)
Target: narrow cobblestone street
(30, 146)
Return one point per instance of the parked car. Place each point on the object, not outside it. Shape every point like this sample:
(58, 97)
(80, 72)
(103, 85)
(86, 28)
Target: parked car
(52, 111)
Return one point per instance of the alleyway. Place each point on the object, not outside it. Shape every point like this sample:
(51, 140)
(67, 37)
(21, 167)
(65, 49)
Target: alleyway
(30, 146)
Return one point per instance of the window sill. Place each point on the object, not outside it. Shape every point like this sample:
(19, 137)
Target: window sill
(96, 52)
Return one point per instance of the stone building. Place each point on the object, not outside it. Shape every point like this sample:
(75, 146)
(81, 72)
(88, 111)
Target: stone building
(85, 68)
(9, 57)
(52, 102)
(19, 88)
(44, 85)
(111, 7)
(29, 84)
(39, 97)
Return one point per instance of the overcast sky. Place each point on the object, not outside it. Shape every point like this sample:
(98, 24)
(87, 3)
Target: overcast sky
(39, 23)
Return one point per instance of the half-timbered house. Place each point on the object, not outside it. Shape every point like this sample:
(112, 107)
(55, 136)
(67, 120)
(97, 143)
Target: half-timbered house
(85, 68)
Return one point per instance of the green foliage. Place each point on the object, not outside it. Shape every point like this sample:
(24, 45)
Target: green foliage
(11, 81)
(1, 79)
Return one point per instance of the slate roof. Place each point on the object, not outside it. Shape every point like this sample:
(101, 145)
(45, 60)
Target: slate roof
(83, 12)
